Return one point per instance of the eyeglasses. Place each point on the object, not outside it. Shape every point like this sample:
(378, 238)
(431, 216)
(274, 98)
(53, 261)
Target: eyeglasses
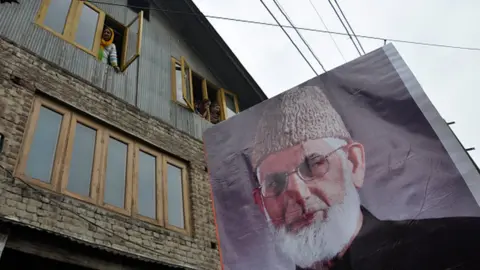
(314, 167)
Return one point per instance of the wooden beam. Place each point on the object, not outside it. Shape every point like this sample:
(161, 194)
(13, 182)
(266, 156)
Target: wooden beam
(3, 239)
(53, 252)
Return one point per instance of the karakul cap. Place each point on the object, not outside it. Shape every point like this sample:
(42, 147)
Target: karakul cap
(297, 115)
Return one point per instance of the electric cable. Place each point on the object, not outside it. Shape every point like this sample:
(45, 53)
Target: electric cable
(298, 32)
(348, 24)
(291, 40)
(325, 25)
(420, 43)
(345, 27)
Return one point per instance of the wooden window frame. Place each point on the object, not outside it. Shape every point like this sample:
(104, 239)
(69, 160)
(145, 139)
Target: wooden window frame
(128, 62)
(185, 65)
(28, 140)
(205, 95)
(185, 195)
(97, 157)
(128, 173)
(158, 185)
(173, 77)
(63, 155)
(190, 105)
(71, 27)
(71, 24)
(223, 104)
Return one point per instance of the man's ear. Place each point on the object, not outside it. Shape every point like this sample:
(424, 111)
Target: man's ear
(356, 156)
(257, 198)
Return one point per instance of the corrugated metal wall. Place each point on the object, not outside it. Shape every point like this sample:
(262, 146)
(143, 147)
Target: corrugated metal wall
(146, 83)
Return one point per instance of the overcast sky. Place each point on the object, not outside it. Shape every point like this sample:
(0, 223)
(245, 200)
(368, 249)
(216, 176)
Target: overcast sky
(450, 77)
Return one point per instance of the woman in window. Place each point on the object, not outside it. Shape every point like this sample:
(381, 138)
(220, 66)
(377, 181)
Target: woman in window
(108, 50)
(204, 109)
(215, 113)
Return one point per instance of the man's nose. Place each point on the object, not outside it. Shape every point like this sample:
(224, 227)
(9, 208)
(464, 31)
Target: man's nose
(298, 190)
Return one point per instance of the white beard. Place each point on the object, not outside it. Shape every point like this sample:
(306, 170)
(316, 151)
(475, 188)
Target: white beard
(322, 240)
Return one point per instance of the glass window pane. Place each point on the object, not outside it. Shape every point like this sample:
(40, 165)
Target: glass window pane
(81, 164)
(87, 26)
(147, 185)
(188, 93)
(44, 144)
(56, 16)
(132, 39)
(230, 103)
(115, 179)
(175, 196)
(178, 84)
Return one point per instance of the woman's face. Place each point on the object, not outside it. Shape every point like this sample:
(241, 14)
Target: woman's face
(215, 107)
(107, 34)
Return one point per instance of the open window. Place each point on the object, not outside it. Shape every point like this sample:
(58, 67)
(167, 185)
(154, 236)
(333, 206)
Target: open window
(127, 39)
(228, 103)
(197, 82)
(81, 23)
(119, 31)
(205, 96)
(187, 86)
(182, 77)
(190, 89)
(198, 96)
(132, 41)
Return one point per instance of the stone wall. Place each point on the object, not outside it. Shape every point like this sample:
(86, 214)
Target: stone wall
(22, 76)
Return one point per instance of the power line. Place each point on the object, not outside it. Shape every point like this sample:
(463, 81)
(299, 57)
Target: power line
(330, 34)
(299, 34)
(429, 44)
(293, 42)
(345, 27)
(348, 23)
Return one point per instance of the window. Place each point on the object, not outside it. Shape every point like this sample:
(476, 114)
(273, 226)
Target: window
(175, 185)
(189, 89)
(148, 189)
(81, 23)
(56, 15)
(44, 144)
(87, 27)
(80, 177)
(228, 103)
(68, 153)
(116, 178)
(182, 88)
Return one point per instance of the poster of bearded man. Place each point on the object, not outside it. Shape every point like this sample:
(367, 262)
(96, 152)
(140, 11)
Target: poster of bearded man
(353, 169)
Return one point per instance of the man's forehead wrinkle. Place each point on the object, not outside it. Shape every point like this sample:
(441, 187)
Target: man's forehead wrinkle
(317, 146)
(283, 160)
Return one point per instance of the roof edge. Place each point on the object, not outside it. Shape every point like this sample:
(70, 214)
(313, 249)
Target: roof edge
(226, 49)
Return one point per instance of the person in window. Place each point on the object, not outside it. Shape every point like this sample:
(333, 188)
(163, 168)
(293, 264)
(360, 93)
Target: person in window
(215, 113)
(108, 50)
(204, 108)
(198, 105)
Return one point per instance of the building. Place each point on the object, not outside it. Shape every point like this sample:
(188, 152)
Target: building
(104, 169)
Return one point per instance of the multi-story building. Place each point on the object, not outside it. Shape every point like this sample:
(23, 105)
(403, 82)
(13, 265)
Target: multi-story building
(103, 167)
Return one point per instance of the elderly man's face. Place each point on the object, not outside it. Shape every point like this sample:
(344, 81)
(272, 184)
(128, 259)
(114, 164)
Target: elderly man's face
(310, 209)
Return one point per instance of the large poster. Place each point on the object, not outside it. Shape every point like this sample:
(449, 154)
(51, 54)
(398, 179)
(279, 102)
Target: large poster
(353, 169)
